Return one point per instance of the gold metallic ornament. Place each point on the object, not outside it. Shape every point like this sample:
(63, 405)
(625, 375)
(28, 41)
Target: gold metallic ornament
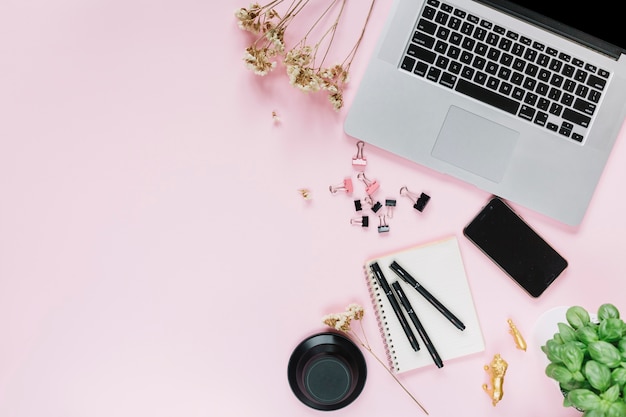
(496, 371)
(517, 336)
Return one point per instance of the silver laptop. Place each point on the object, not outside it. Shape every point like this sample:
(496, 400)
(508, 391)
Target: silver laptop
(501, 95)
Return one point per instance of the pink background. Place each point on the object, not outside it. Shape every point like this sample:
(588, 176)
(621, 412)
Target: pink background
(156, 258)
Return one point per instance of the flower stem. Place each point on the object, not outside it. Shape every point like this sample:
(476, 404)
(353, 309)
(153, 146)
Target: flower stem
(369, 349)
(355, 48)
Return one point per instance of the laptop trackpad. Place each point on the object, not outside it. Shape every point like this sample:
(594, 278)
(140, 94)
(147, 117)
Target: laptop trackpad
(475, 144)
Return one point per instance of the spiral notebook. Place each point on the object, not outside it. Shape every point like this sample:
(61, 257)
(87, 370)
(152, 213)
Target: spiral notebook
(438, 267)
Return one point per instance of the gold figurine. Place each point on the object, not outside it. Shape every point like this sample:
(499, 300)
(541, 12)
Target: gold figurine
(496, 371)
(517, 336)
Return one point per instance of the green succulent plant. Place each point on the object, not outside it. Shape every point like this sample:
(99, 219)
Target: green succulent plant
(588, 360)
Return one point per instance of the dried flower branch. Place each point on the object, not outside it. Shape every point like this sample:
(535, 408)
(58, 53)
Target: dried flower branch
(303, 70)
(342, 322)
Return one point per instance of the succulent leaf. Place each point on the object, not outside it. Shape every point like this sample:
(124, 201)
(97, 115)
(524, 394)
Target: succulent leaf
(572, 357)
(584, 399)
(577, 316)
(566, 332)
(598, 375)
(608, 310)
(605, 352)
(618, 375)
(587, 333)
(559, 373)
(616, 409)
(611, 329)
(612, 394)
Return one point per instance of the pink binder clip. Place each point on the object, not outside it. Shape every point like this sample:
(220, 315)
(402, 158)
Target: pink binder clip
(419, 202)
(359, 161)
(345, 186)
(370, 186)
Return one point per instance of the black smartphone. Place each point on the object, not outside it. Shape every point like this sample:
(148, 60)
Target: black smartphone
(515, 247)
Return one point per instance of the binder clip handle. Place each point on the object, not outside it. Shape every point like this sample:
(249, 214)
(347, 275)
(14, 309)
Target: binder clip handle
(363, 221)
(383, 227)
(419, 202)
(345, 186)
(370, 186)
(359, 161)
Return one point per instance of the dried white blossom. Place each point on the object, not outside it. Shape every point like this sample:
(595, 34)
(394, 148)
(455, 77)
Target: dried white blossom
(300, 61)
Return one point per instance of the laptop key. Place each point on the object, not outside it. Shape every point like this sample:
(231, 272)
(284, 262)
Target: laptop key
(487, 96)
(426, 26)
(584, 106)
(433, 74)
(441, 18)
(429, 12)
(493, 39)
(518, 93)
(454, 52)
(527, 112)
(480, 77)
(543, 104)
(575, 117)
(467, 28)
(566, 129)
(446, 7)
(467, 72)
(421, 69)
(596, 82)
(448, 80)
(424, 40)
(568, 70)
(567, 99)
(408, 63)
(455, 67)
(493, 83)
(421, 53)
(505, 88)
(594, 96)
(454, 23)
(442, 62)
(541, 118)
(556, 109)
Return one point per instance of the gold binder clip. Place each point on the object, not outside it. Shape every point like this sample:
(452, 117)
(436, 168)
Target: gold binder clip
(517, 336)
(496, 370)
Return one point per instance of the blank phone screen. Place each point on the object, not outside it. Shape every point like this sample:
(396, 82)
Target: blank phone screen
(515, 247)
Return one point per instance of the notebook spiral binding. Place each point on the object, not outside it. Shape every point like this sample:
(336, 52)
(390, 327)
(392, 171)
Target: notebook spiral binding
(381, 319)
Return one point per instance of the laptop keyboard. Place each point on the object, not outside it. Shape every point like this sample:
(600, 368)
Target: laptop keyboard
(505, 69)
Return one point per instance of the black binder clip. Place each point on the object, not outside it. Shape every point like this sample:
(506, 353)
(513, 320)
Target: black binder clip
(374, 206)
(357, 205)
(370, 186)
(345, 186)
(383, 227)
(390, 204)
(419, 202)
(359, 161)
(363, 221)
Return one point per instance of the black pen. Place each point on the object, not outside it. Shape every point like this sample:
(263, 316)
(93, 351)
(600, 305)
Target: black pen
(418, 324)
(382, 281)
(406, 277)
